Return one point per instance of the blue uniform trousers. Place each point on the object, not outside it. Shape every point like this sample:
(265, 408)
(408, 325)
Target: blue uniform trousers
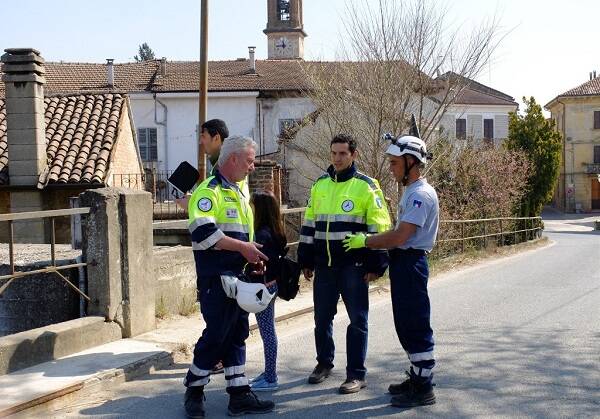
(409, 273)
(223, 338)
(329, 284)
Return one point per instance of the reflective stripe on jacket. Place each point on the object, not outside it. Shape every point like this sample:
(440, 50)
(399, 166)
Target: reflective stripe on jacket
(340, 204)
(217, 209)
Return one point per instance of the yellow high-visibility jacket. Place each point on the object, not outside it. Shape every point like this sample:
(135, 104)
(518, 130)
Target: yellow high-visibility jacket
(340, 204)
(217, 209)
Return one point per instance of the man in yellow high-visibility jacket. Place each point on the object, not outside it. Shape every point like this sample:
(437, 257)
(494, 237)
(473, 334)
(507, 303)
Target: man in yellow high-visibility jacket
(342, 201)
(221, 224)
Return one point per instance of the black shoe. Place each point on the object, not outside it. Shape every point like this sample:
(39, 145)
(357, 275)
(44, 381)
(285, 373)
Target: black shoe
(419, 393)
(247, 403)
(395, 389)
(352, 385)
(319, 374)
(218, 368)
(194, 402)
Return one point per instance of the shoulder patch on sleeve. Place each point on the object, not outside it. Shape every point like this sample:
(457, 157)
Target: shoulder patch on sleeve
(205, 204)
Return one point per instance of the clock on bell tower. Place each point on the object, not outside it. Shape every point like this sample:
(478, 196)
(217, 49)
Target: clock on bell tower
(285, 30)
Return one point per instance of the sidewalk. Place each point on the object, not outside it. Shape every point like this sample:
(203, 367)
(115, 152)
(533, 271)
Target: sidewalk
(71, 377)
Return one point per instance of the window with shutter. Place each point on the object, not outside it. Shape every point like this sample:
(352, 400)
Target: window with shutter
(596, 119)
(597, 154)
(461, 129)
(488, 129)
(147, 144)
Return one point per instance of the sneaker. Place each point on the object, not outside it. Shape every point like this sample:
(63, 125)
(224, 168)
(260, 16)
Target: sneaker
(257, 378)
(264, 385)
(247, 403)
(352, 385)
(319, 374)
(419, 393)
(194, 402)
(218, 368)
(395, 389)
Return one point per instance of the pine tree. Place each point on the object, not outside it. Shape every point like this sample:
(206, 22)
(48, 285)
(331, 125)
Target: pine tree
(145, 53)
(538, 138)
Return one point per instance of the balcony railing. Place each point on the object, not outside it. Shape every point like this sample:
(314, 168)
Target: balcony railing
(592, 168)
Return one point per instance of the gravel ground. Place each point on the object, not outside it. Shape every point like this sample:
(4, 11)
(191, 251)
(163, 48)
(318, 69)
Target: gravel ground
(28, 254)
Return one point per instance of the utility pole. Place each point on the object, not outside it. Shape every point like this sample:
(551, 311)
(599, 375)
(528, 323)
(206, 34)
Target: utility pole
(203, 88)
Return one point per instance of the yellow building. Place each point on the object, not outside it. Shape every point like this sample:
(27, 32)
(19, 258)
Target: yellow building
(577, 116)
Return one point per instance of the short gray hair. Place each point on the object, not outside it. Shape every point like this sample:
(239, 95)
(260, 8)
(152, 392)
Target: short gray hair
(234, 145)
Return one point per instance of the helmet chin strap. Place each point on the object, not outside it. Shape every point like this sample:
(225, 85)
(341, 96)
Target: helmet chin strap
(407, 170)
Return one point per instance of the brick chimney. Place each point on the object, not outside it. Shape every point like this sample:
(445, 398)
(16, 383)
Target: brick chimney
(26, 134)
(26, 128)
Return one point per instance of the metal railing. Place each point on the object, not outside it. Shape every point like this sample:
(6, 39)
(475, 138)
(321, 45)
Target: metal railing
(36, 215)
(163, 194)
(292, 227)
(505, 230)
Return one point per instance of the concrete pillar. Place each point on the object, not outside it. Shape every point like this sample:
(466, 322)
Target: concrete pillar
(137, 280)
(101, 242)
(117, 245)
(23, 76)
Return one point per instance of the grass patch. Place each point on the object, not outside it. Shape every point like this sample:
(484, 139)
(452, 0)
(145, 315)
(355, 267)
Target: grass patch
(188, 306)
(161, 311)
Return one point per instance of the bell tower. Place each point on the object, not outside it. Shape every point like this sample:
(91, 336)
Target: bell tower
(285, 30)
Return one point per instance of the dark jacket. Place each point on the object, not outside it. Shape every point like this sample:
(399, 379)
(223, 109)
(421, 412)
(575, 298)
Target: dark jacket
(272, 248)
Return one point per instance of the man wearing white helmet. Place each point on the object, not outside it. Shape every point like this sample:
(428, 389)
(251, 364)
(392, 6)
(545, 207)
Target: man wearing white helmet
(408, 244)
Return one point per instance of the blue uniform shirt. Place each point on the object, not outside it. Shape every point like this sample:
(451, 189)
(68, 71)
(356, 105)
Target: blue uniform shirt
(419, 206)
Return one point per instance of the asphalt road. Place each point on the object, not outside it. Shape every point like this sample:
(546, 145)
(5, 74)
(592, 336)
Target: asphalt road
(516, 337)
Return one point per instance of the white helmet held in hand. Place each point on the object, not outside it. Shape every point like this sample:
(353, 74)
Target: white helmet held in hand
(253, 298)
(229, 284)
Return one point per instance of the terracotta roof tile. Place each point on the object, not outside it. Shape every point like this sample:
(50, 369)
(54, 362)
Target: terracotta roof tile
(179, 76)
(81, 131)
(475, 93)
(589, 88)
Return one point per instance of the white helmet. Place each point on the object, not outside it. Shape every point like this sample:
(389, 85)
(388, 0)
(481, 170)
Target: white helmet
(253, 297)
(407, 144)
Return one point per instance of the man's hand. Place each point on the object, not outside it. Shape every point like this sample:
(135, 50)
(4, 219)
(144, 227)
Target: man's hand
(308, 273)
(369, 277)
(355, 241)
(183, 202)
(251, 253)
(258, 268)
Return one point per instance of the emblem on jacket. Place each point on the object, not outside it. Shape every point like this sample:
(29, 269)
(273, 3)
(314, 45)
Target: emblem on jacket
(348, 205)
(204, 204)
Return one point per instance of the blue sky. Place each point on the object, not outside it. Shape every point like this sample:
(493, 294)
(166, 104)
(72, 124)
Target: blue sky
(551, 45)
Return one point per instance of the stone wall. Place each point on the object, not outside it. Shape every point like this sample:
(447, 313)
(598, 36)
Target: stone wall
(125, 170)
(266, 176)
(175, 278)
